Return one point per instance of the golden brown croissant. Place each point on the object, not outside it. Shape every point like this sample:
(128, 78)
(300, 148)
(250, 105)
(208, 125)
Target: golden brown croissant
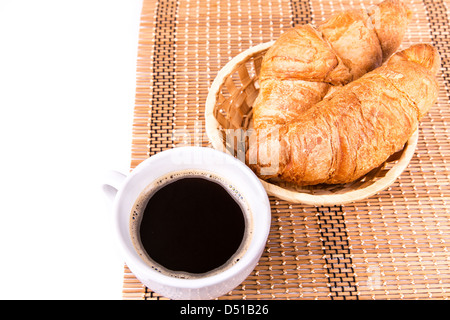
(357, 127)
(305, 62)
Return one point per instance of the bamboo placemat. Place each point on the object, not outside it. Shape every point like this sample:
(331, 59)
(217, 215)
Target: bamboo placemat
(394, 245)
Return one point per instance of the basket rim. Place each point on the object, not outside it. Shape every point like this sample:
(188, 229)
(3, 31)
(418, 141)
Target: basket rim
(212, 125)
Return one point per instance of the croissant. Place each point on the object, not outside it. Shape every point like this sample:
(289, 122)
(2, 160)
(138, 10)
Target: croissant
(306, 63)
(354, 129)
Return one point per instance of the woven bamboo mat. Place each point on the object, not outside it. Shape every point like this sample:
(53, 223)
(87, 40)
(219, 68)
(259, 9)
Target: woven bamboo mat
(394, 245)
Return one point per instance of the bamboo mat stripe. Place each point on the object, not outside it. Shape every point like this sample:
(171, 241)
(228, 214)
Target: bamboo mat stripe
(163, 98)
(301, 12)
(334, 238)
(394, 245)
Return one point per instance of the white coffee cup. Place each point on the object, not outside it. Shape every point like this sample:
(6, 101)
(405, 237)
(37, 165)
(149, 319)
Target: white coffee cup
(124, 190)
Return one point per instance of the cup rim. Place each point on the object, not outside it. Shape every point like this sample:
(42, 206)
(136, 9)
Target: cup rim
(260, 204)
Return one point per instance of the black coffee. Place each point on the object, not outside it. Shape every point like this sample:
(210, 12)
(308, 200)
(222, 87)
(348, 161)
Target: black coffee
(191, 224)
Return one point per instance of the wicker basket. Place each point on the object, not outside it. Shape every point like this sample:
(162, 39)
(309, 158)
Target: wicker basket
(229, 106)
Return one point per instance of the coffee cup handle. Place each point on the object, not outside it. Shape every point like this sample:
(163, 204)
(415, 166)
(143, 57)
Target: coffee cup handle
(112, 184)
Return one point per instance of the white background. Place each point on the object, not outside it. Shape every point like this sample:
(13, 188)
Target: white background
(67, 86)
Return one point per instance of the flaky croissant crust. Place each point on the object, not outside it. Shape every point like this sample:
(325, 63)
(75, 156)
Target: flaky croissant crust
(317, 135)
(306, 62)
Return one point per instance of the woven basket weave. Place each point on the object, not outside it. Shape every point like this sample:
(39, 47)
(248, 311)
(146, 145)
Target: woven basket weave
(229, 106)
